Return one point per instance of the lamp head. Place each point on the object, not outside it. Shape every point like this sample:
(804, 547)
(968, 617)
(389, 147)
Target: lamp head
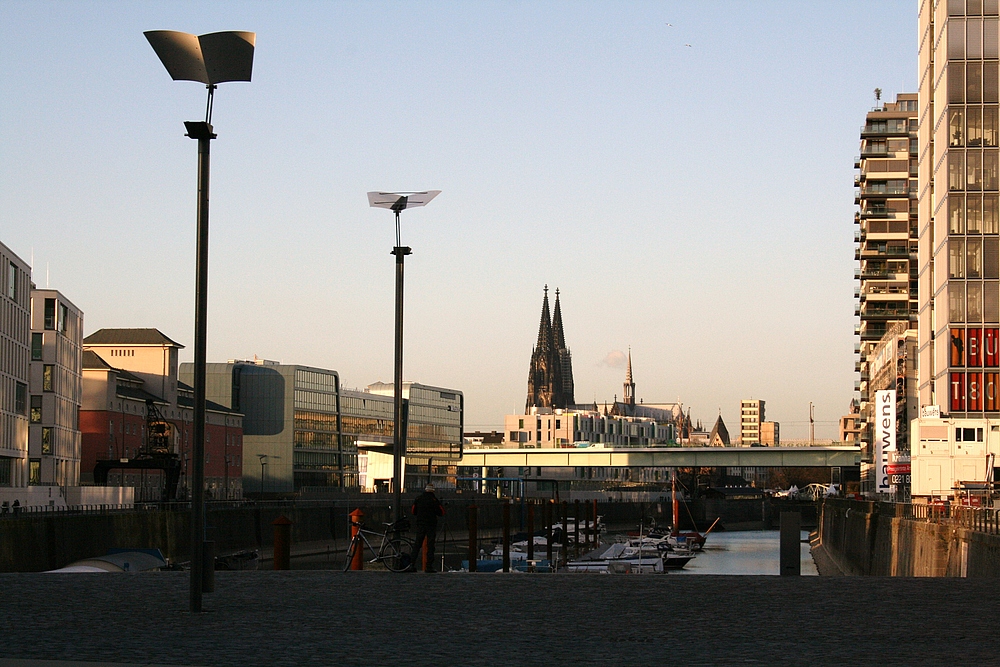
(211, 59)
(398, 201)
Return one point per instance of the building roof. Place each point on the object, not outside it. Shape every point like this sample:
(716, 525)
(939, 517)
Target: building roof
(129, 337)
(93, 361)
(721, 430)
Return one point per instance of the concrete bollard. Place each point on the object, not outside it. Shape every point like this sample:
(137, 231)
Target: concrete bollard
(208, 567)
(791, 531)
(358, 560)
(531, 531)
(282, 543)
(506, 536)
(473, 537)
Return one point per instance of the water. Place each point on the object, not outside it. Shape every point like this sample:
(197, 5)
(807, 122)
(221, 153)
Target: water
(746, 552)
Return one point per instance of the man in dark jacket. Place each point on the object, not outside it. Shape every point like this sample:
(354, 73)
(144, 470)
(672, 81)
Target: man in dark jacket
(426, 508)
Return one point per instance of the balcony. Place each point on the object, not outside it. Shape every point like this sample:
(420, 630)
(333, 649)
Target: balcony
(872, 190)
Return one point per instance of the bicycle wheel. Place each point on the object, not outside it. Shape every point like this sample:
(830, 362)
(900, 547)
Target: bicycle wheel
(351, 550)
(397, 554)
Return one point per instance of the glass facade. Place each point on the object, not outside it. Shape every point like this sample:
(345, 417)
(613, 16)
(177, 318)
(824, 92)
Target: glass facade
(972, 296)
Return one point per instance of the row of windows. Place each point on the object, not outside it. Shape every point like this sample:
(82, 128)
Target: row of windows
(973, 126)
(972, 39)
(973, 257)
(972, 82)
(973, 214)
(975, 347)
(973, 301)
(315, 380)
(972, 7)
(973, 170)
(315, 400)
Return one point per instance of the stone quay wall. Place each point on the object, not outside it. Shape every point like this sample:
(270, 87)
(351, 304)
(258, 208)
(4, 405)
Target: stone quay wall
(899, 540)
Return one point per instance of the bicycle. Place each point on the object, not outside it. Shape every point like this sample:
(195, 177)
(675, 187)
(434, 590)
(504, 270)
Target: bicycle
(395, 551)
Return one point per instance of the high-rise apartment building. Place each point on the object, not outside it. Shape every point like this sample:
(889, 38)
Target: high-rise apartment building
(958, 211)
(751, 417)
(886, 238)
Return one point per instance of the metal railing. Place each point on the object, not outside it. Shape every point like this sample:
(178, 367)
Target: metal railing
(979, 519)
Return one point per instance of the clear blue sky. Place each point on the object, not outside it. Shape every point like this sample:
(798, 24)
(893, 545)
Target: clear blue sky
(692, 202)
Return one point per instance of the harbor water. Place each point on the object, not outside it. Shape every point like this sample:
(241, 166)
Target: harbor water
(746, 552)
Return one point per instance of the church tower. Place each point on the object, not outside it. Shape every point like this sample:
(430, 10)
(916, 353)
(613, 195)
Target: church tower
(550, 373)
(629, 396)
(565, 358)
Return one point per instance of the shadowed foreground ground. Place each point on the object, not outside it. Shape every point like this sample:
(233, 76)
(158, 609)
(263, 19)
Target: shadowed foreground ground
(377, 618)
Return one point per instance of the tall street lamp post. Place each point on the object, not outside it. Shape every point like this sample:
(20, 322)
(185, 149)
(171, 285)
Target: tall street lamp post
(396, 202)
(209, 59)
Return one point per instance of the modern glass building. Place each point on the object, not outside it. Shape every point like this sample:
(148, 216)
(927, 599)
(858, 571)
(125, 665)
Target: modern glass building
(301, 429)
(958, 211)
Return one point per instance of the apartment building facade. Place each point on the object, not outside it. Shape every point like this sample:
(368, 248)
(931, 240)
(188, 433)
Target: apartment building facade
(885, 241)
(15, 329)
(54, 439)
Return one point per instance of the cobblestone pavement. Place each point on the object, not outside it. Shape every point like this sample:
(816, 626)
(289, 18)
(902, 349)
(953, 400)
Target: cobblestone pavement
(379, 618)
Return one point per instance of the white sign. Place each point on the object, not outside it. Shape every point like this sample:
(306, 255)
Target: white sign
(885, 437)
(930, 412)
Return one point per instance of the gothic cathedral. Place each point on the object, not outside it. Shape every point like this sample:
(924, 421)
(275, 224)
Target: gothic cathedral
(550, 375)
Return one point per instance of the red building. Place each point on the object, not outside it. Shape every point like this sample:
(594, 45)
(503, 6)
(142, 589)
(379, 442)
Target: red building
(133, 403)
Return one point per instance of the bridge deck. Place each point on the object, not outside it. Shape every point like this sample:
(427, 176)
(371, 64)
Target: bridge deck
(767, 457)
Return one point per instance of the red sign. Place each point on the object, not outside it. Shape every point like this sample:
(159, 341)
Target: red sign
(991, 391)
(974, 347)
(975, 393)
(958, 347)
(957, 392)
(898, 469)
(991, 356)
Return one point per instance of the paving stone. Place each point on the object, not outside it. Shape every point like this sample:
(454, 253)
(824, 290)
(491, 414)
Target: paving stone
(376, 618)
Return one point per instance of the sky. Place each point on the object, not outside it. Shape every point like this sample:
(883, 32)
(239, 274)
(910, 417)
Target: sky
(681, 171)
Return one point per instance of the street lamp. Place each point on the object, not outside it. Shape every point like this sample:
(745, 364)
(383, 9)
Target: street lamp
(398, 201)
(210, 59)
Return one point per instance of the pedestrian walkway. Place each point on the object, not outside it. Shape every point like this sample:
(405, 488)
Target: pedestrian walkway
(374, 618)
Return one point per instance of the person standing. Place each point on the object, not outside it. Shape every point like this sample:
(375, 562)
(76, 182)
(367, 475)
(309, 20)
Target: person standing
(426, 508)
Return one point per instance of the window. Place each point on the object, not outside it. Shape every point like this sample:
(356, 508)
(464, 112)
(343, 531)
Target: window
(12, 281)
(5, 471)
(34, 471)
(956, 170)
(36, 347)
(47, 372)
(956, 224)
(956, 258)
(63, 316)
(974, 258)
(21, 398)
(956, 302)
(36, 409)
(991, 214)
(46, 440)
(956, 125)
(974, 213)
(50, 314)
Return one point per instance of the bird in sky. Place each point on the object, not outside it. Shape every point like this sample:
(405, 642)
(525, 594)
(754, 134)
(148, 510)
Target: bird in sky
(687, 45)
(670, 25)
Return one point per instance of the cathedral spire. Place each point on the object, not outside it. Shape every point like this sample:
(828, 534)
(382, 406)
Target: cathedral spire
(629, 396)
(545, 324)
(557, 326)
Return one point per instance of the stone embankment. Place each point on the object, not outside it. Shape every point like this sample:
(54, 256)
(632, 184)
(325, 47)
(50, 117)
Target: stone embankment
(895, 539)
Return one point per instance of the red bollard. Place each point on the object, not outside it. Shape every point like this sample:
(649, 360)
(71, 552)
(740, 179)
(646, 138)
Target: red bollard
(282, 543)
(358, 561)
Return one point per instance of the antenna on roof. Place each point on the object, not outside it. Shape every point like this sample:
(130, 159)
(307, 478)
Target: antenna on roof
(878, 95)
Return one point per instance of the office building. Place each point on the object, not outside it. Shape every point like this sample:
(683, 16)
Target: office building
(307, 433)
(958, 213)
(15, 330)
(56, 389)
